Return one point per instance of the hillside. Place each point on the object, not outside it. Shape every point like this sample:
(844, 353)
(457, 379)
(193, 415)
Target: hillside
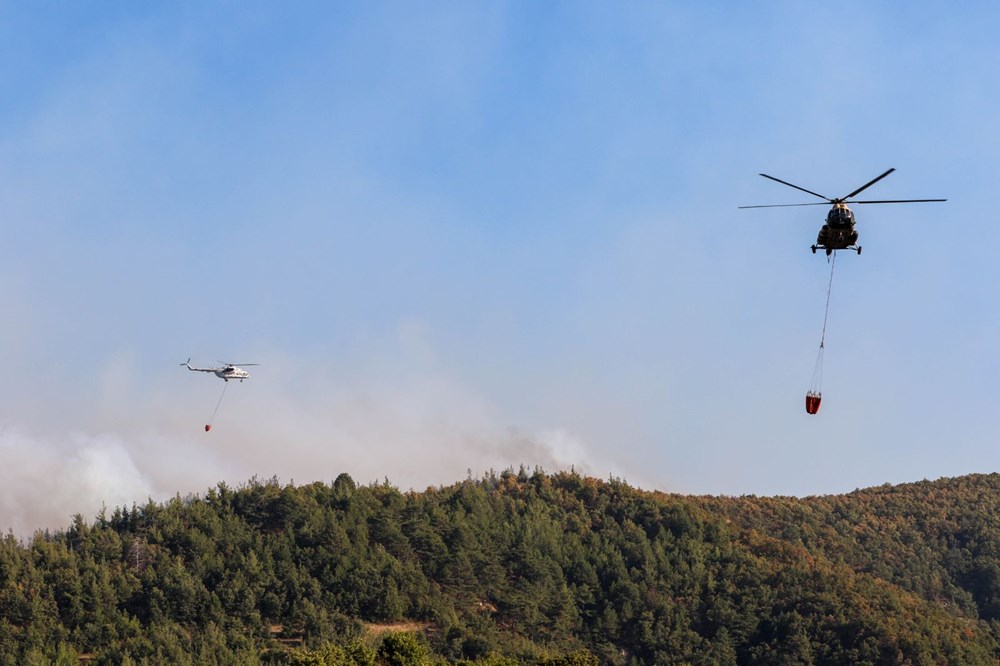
(516, 567)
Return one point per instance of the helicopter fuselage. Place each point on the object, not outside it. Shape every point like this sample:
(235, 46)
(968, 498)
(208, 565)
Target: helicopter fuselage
(231, 373)
(225, 372)
(838, 233)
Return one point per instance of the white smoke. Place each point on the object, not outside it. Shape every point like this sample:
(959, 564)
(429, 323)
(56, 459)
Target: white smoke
(44, 482)
(425, 428)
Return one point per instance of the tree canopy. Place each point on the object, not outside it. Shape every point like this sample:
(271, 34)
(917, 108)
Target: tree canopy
(516, 567)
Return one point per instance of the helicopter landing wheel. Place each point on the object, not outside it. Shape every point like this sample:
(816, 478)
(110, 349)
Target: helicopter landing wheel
(814, 249)
(859, 250)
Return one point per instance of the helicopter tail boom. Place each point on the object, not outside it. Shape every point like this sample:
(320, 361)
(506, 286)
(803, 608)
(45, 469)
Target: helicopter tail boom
(187, 364)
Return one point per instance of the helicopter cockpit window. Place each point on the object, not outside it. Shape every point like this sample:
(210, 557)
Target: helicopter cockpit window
(841, 215)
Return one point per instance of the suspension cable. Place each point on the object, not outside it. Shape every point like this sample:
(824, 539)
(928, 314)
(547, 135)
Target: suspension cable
(221, 396)
(815, 392)
(829, 290)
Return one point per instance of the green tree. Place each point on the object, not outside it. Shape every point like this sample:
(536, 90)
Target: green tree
(401, 649)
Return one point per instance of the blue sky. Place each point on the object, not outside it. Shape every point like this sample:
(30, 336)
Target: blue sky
(462, 236)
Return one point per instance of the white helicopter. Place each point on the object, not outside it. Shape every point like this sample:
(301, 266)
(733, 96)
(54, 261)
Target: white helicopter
(226, 372)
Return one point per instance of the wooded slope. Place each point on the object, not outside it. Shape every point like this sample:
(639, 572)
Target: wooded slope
(517, 566)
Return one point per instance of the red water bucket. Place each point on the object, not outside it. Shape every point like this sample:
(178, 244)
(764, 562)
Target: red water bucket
(207, 428)
(812, 402)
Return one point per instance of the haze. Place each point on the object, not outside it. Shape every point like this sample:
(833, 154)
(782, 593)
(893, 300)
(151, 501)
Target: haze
(463, 236)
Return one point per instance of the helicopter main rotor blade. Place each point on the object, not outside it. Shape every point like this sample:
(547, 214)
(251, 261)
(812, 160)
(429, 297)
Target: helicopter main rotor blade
(867, 185)
(778, 180)
(785, 205)
(895, 201)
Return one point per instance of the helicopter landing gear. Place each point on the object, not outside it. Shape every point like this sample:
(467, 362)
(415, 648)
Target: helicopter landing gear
(859, 250)
(831, 250)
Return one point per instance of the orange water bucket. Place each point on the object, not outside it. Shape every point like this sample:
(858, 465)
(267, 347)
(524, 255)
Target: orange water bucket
(207, 428)
(812, 402)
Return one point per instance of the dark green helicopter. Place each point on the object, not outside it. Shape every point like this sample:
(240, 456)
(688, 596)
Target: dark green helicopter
(839, 233)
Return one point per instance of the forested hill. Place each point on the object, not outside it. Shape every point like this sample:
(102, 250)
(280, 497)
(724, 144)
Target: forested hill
(518, 567)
